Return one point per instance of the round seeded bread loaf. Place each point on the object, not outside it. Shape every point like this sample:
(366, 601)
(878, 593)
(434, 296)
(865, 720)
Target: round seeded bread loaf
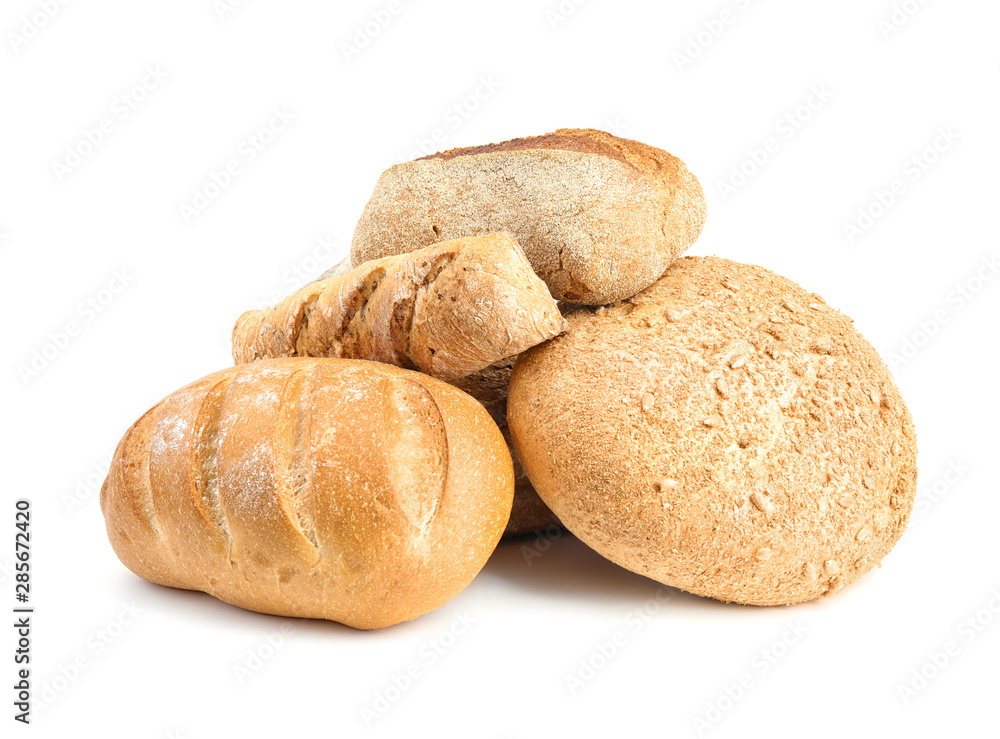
(724, 432)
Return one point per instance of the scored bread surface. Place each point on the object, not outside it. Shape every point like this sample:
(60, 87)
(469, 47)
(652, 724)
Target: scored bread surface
(724, 431)
(448, 310)
(337, 489)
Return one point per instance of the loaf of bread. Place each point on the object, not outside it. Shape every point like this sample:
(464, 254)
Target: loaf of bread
(489, 386)
(324, 488)
(448, 310)
(599, 217)
(724, 432)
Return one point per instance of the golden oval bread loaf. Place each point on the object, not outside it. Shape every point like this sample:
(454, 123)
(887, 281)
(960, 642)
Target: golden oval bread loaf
(489, 386)
(325, 488)
(448, 310)
(599, 217)
(724, 432)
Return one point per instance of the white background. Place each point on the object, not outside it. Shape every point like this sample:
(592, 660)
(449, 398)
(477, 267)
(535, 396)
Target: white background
(514, 68)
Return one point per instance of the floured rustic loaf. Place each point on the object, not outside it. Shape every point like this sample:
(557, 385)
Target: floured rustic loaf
(724, 431)
(600, 217)
(324, 488)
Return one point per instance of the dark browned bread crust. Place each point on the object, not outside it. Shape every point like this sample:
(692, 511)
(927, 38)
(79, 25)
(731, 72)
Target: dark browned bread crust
(565, 139)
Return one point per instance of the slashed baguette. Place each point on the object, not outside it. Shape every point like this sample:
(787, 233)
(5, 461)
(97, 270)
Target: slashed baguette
(323, 488)
(448, 310)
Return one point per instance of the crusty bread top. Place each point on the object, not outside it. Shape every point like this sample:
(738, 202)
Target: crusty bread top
(600, 217)
(654, 163)
(642, 156)
(565, 139)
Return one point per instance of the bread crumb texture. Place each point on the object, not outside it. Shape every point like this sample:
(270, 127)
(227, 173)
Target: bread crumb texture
(724, 432)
